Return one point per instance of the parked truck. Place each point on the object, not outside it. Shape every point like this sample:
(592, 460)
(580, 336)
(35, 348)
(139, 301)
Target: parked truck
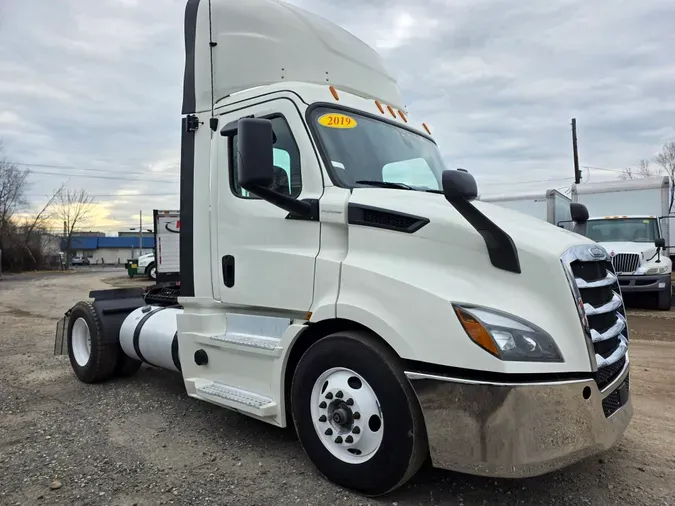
(631, 220)
(389, 320)
(552, 205)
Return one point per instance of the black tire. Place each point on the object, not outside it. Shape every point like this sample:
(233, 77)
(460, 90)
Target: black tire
(404, 447)
(126, 366)
(103, 356)
(151, 272)
(665, 297)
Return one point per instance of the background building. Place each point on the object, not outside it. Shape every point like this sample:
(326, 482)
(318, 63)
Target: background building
(110, 250)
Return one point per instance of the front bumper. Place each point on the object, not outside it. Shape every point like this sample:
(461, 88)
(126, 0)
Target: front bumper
(519, 430)
(636, 283)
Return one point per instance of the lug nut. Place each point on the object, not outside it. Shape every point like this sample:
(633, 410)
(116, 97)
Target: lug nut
(322, 405)
(329, 396)
(339, 394)
(329, 432)
(349, 439)
(356, 430)
(350, 402)
(322, 418)
(356, 415)
(338, 440)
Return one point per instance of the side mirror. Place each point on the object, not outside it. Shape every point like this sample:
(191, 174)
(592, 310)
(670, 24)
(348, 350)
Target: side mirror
(579, 213)
(255, 153)
(660, 242)
(459, 185)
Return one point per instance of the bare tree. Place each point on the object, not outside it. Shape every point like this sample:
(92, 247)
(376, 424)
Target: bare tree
(74, 206)
(666, 159)
(643, 171)
(38, 222)
(627, 173)
(13, 184)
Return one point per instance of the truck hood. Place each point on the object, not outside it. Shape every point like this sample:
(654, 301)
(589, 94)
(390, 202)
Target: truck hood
(647, 250)
(447, 225)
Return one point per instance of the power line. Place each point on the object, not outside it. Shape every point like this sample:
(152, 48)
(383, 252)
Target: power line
(87, 169)
(527, 182)
(117, 178)
(602, 168)
(73, 167)
(116, 195)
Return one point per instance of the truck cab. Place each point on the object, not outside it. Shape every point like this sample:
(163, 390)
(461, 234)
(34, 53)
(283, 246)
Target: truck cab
(637, 247)
(336, 277)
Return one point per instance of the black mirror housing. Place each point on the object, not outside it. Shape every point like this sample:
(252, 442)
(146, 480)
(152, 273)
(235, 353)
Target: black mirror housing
(459, 185)
(660, 242)
(579, 213)
(255, 153)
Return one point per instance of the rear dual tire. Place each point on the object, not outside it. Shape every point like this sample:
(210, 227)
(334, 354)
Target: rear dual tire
(91, 357)
(386, 444)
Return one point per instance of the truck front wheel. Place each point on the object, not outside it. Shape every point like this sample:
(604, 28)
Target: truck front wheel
(356, 414)
(152, 271)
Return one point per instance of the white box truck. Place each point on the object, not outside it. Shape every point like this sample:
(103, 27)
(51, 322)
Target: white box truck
(630, 219)
(335, 277)
(552, 205)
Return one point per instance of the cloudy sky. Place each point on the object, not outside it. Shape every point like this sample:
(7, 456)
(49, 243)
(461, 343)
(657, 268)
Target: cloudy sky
(90, 91)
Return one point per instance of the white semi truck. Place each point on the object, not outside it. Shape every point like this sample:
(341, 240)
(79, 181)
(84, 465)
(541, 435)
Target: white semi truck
(631, 220)
(337, 278)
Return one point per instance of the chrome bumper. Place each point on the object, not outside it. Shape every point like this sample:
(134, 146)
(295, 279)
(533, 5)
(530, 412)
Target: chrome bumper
(519, 430)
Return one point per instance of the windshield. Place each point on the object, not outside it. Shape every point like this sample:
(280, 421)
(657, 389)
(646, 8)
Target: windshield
(364, 151)
(623, 230)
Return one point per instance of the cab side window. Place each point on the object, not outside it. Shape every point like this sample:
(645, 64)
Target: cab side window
(287, 176)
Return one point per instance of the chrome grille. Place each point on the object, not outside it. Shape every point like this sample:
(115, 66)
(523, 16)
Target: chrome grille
(626, 263)
(597, 288)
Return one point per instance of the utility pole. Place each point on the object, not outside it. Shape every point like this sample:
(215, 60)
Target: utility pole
(575, 151)
(65, 245)
(140, 232)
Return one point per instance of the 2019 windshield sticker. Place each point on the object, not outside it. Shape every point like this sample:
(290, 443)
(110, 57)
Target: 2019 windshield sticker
(337, 120)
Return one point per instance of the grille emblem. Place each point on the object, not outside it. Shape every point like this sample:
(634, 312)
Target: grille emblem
(596, 252)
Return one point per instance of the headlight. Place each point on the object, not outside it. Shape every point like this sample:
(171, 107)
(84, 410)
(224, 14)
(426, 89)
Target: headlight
(507, 337)
(656, 270)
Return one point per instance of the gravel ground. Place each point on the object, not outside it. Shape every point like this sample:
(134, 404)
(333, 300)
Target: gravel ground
(143, 441)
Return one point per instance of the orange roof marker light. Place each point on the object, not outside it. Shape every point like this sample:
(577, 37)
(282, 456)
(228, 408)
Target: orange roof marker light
(391, 111)
(426, 128)
(379, 106)
(403, 116)
(334, 92)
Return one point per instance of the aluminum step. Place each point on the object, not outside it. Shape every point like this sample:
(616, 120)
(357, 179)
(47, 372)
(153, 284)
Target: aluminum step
(255, 343)
(236, 398)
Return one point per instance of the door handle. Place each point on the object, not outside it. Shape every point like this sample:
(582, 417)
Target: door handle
(228, 270)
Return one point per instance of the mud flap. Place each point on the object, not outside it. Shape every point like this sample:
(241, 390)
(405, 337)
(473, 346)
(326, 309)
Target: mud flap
(60, 339)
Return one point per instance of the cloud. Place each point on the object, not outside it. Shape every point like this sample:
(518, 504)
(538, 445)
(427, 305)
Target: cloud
(93, 89)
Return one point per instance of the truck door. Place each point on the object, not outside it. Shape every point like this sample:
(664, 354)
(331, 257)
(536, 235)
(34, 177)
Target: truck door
(264, 260)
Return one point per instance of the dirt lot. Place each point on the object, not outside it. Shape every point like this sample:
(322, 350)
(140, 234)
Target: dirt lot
(143, 441)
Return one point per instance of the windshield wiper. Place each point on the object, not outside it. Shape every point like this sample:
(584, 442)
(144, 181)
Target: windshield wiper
(386, 184)
(401, 186)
